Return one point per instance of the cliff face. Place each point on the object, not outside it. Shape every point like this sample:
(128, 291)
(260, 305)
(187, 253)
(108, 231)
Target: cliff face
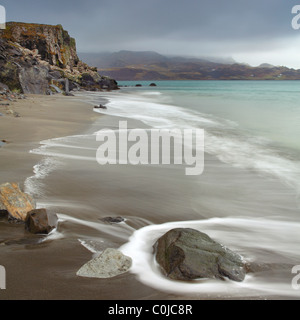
(36, 58)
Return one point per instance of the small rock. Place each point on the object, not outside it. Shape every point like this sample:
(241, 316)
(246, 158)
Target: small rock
(16, 202)
(113, 219)
(37, 222)
(152, 85)
(109, 264)
(100, 107)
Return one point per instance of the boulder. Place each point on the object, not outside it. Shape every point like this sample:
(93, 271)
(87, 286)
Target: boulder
(34, 79)
(16, 202)
(37, 222)
(109, 264)
(187, 254)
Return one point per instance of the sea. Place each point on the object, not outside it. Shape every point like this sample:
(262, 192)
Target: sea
(246, 198)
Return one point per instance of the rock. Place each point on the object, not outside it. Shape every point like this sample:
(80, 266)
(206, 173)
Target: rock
(55, 88)
(32, 56)
(16, 202)
(109, 264)
(3, 88)
(138, 85)
(152, 85)
(37, 222)
(112, 219)
(3, 211)
(34, 79)
(187, 254)
(100, 107)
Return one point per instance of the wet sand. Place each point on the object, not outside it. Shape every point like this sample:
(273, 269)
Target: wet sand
(47, 270)
(143, 195)
(41, 117)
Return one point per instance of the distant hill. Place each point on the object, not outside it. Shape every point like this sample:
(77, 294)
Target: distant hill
(149, 65)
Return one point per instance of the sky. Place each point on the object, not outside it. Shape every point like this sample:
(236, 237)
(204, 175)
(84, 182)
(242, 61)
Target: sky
(253, 32)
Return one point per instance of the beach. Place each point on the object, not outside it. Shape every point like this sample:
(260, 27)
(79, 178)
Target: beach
(51, 152)
(47, 270)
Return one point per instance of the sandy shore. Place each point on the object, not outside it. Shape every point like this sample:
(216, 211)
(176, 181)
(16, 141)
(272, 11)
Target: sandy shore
(47, 270)
(143, 195)
(41, 117)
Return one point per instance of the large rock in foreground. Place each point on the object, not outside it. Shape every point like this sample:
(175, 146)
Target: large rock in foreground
(186, 254)
(109, 264)
(15, 202)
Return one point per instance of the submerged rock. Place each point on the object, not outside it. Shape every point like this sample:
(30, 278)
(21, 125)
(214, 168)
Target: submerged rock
(109, 264)
(100, 107)
(37, 222)
(186, 254)
(112, 219)
(15, 202)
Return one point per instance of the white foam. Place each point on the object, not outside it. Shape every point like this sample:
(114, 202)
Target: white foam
(267, 234)
(221, 136)
(121, 230)
(33, 184)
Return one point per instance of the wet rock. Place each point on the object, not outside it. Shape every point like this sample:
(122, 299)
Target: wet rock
(152, 85)
(101, 106)
(186, 254)
(37, 222)
(16, 202)
(112, 219)
(109, 264)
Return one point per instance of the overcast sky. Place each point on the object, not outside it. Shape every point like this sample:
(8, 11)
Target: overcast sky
(255, 31)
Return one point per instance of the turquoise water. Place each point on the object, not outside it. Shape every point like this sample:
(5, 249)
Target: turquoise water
(269, 109)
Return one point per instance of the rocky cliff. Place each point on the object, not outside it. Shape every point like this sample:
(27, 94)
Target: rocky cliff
(42, 59)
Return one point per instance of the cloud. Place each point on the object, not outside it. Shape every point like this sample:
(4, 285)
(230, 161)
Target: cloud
(193, 27)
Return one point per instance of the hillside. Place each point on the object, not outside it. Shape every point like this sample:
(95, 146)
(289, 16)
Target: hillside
(41, 59)
(128, 65)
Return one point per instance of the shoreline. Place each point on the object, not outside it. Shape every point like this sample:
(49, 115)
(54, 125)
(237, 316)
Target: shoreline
(41, 117)
(46, 270)
(143, 195)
